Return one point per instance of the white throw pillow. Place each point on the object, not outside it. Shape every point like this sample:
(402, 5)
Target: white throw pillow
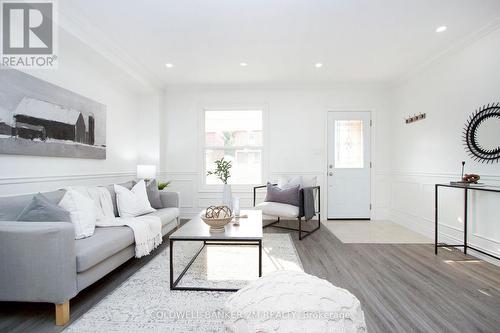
(91, 193)
(302, 181)
(309, 181)
(133, 202)
(82, 212)
(287, 182)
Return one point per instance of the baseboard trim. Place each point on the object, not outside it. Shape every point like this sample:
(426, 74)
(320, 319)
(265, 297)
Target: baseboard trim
(349, 219)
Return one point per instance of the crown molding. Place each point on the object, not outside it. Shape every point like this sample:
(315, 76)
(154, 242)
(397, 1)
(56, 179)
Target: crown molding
(461, 44)
(74, 22)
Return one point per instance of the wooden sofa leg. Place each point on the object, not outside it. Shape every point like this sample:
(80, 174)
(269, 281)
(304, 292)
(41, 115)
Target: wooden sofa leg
(62, 313)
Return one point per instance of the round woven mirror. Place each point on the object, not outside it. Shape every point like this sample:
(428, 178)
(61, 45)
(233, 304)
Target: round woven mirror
(482, 134)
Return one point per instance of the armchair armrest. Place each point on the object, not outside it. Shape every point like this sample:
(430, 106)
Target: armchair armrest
(37, 262)
(170, 199)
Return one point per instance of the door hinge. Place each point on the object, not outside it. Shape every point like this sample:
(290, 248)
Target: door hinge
(371, 123)
(370, 206)
(370, 165)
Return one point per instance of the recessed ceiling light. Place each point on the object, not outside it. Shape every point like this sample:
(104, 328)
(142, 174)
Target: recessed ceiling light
(168, 65)
(243, 64)
(441, 28)
(318, 65)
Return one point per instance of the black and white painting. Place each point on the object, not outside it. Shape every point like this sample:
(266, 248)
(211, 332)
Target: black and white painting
(39, 118)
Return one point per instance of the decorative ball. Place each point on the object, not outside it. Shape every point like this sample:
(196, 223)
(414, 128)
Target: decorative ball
(218, 212)
(217, 217)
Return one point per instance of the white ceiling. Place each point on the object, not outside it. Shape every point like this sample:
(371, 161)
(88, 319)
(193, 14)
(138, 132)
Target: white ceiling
(356, 40)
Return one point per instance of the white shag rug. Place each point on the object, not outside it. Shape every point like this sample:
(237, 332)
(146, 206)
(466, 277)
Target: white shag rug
(145, 303)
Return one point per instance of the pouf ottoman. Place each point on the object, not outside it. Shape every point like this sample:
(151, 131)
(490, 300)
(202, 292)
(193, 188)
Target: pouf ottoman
(289, 301)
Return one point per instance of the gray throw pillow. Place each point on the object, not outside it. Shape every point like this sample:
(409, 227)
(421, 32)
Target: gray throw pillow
(288, 196)
(40, 209)
(154, 194)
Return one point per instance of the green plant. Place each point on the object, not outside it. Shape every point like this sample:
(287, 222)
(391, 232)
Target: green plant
(228, 138)
(162, 186)
(222, 170)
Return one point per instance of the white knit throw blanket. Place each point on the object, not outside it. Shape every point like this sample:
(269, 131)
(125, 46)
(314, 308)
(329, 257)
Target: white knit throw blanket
(147, 229)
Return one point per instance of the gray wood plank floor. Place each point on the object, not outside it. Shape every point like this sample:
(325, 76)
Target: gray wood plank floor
(402, 288)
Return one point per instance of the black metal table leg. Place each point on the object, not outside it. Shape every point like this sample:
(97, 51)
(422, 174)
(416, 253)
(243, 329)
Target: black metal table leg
(260, 258)
(436, 219)
(465, 220)
(171, 264)
(300, 228)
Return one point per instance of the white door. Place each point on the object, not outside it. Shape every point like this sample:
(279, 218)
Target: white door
(349, 165)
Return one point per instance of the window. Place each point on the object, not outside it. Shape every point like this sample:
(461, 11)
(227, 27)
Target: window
(237, 136)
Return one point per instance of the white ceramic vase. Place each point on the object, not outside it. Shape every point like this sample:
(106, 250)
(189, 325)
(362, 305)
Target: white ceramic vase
(227, 196)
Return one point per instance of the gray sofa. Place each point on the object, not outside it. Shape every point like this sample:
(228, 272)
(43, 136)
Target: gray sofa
(42, 261)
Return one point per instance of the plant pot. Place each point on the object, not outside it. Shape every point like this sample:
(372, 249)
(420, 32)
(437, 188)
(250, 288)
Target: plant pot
(227, 196)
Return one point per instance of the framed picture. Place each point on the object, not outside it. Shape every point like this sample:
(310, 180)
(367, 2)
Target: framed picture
(40, 118)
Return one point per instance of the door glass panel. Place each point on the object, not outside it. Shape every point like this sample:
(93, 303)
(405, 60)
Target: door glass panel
(349, 144)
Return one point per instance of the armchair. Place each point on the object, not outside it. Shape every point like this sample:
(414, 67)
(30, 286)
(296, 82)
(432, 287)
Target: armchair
(287, 211)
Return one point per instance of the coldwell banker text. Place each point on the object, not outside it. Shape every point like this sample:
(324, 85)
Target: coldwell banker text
(28, 34)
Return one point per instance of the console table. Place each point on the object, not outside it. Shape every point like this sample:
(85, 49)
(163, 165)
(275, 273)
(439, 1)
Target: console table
(466, 189)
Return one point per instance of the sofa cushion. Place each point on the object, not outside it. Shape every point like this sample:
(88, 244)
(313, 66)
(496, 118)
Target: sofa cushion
(12, 206)
(111, 188)
(278, 209)
(40, 209)
(166, 215)
(104, 243)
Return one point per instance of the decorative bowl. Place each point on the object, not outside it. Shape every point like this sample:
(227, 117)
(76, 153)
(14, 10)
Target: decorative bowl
(216, 225)
(217, 217)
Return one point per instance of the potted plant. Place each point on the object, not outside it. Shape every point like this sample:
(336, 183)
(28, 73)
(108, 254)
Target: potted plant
(162, 186)
(222, 171)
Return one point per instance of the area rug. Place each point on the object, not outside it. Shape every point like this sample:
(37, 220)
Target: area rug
(145, 303)
(375, 232)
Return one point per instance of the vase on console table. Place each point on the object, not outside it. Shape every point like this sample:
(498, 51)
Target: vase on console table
(227, 196)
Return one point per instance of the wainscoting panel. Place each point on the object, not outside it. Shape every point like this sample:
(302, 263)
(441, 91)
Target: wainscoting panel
(412, 205)
(23, 185)
(195, 197)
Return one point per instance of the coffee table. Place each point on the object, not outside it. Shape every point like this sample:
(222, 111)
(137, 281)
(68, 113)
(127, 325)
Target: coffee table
(248, 233)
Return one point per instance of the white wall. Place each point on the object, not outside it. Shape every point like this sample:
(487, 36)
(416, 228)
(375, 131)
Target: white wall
(295, 135)
(149, 131)
(86, 72)
(431, 151)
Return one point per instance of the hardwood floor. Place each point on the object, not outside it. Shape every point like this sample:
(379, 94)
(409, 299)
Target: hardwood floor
(402, 288)
(406, 288)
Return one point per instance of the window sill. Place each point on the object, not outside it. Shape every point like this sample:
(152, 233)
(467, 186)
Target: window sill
(234, 188)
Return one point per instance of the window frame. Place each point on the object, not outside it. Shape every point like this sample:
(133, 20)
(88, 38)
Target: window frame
(203, 186)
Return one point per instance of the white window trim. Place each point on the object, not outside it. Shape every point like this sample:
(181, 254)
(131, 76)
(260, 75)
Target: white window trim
(236, 188)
